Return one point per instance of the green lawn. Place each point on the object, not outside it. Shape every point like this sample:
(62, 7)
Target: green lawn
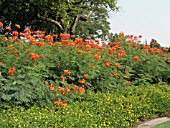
(163, 125)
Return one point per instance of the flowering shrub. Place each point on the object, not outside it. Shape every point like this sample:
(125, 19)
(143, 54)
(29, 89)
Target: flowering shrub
(29, 63)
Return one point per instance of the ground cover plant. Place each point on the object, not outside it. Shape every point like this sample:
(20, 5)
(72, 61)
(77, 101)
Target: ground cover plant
(123, 109)
(37, 70)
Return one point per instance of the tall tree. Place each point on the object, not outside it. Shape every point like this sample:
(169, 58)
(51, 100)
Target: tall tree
(63, 14)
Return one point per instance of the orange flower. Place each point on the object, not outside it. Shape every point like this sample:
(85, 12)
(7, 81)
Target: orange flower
(0, 63)
(83, 81)
(115, 74)
(107, 61)
(158, 51)
(135, 58)
(67, 85)
(51, 87)
(40, 44)
(81, 90)
(57, 94)
(63, 103)
(34, 56)
(93, 66)
(62, 77)
(79, 52)
(151, 50)
(1, 24)
(18, 26)
(26, 50)
(61, 89)
(126, 77)
(57, 102)
(162, 55)
(168, 61)
(164, 49)
(8, 28)
(67, 72)
(14, 33)
(67, 90)
(11, 71)
(97, 41)
(107, 65)
(75, 88)
(87, 47)
(86, 76)
(97, 57)
(48, 38)
(116, 65)
(45, 82)
(128, 82)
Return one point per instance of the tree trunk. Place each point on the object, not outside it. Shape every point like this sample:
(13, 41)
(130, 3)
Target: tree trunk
(76, 20)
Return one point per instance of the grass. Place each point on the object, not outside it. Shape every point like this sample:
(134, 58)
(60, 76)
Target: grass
(163, 125)
(123, 108)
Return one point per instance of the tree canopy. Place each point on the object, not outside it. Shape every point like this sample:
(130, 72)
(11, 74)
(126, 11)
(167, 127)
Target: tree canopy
(64, 16)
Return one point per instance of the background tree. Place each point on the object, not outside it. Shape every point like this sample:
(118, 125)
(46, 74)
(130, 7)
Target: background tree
(62, 16)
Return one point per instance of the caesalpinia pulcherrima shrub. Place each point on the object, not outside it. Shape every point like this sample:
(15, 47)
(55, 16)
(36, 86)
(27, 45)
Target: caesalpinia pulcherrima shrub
(35, 68)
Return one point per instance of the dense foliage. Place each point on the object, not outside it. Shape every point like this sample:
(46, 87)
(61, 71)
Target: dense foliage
(59, 16)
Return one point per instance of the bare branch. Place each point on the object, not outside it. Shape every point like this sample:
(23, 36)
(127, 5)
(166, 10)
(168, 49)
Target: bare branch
(52, 21)
(80, 17)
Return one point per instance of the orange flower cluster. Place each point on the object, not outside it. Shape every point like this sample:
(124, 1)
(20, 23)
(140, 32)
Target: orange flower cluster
(64, 91)
(87, 47)
(112, 50)
(64, 36)
(83, 81)
(67, 72)
(11, 71)
(62, 77)
(80, 90)
(48, 38)
(40, 44)
(121, 35)
(97, 56)
(51, 87)
(34, 56)
(60, 103)
(66, 42)
(107, 63)
(8, 28)
(79, 51)
(164, 49)
(135, 58)
(78, 42)
(121, 53)
(14, 35)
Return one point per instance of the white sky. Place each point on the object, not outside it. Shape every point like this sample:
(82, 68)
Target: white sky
(149, 18)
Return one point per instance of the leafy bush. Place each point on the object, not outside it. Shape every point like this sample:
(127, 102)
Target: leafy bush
(122, 108)
(26, 64)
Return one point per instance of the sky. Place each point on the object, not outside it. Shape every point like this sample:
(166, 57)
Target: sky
(149, 18)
